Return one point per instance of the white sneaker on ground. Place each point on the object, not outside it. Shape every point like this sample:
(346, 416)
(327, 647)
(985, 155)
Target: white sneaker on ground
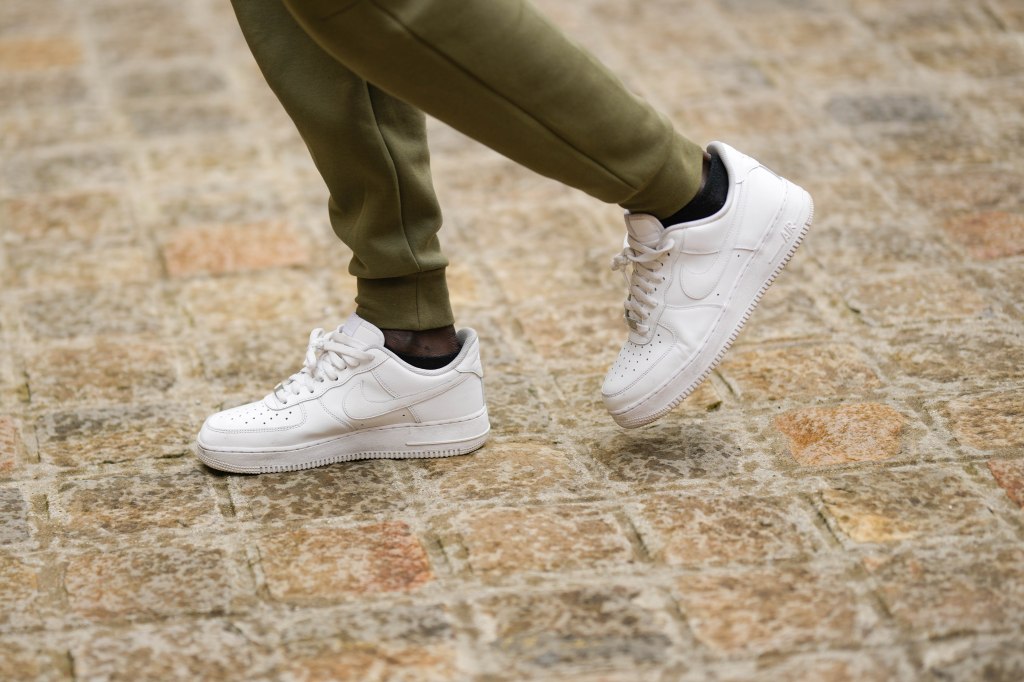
(353, 399)
(693, 285)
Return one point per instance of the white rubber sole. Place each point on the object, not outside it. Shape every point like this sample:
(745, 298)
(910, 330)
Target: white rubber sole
(401, 441)
(693, 374)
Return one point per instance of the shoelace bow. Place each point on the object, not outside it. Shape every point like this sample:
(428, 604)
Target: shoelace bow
(642, 281)
(327, 354)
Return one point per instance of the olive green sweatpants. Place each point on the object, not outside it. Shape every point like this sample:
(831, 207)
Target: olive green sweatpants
(356, 76)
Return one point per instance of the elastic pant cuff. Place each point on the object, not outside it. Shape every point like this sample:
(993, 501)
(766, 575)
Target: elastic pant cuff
(413, 302)
(674, 184)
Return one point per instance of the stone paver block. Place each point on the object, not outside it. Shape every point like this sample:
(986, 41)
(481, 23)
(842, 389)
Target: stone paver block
(220, 161)
(187, 206)
(152, 583)
(45, 88)
(1009, 474)
(407, 621)
(163, 39)
(115, 434)
(888, 108)
(982, 356)
(773, 609)
(962, 194)
(23, 131)
(856, 432)
(580, 629)
(787, 312)
(333, 564)
(667, 453)
(63, 217)
(126, 504)
(10, 445)
(19, 593)
(25, 660)
(60, 171)
(917, 297)
(953, 591)
(683, 530)
(26, 54)
(989, 235)
(991, 57)
(864, 665)
(351, 489)
(153, 120)
(113, 265)
(515, 471)
(108, 310)
(914, 20)
(573, 334)
(942, 143)
(14, 526)
(1011, 13)
(891, 506)
(515, 406)
(798, 372)
(218, 249)
(206, 649)
(143, 83)
(103, 370)
(364, 661)
(999, 660)
(502, 541)
(255, 298)
(797, 32)
(255, 360)
(871, 235)
(988, 422)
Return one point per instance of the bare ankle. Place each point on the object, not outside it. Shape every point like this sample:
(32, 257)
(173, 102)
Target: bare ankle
(422, 343)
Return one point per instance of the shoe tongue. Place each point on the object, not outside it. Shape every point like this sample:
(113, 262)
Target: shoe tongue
(644, 228)
(361, 330)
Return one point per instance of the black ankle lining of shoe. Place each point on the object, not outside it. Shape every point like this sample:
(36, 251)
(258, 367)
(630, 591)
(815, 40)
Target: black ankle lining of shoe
(426, 362)
(709, 200)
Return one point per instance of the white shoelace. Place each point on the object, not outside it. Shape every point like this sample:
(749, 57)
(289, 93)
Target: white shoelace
(327, 354)
(642, 281)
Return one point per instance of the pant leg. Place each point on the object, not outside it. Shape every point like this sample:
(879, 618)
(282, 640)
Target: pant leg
(371, 150)
(501, 73)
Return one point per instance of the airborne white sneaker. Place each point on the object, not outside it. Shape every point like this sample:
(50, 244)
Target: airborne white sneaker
(693, 285)
(353, 399)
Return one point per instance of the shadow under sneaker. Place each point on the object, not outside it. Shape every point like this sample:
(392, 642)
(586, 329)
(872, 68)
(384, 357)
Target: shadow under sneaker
(693, 285)
(353, 399)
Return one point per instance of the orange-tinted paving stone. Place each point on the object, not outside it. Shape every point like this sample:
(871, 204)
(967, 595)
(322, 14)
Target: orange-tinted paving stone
(148, 583)
(1009, 474)
(26, 54)
(989, 235)
(684, 530)
(769, 609)
(859, 432)
(503, 541)
(334, 564)
(988, 422)
(233, 248)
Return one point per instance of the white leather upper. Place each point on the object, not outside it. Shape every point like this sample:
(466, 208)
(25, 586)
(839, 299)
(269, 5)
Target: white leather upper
(380, 391)
(700, 272)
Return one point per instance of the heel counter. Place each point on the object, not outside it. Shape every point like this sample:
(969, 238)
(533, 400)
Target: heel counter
(472, 364)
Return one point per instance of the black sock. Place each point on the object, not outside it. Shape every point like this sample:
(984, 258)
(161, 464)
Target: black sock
(709, 200)
(427, 362)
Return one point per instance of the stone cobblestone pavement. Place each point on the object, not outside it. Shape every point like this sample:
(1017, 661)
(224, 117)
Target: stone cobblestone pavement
(842, 500)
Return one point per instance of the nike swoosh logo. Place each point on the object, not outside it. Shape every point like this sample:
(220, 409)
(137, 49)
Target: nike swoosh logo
(363, 407)
(699, 284)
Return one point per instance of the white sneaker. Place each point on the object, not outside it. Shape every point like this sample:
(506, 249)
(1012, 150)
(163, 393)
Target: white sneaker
(353, 399)
(693, 285)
